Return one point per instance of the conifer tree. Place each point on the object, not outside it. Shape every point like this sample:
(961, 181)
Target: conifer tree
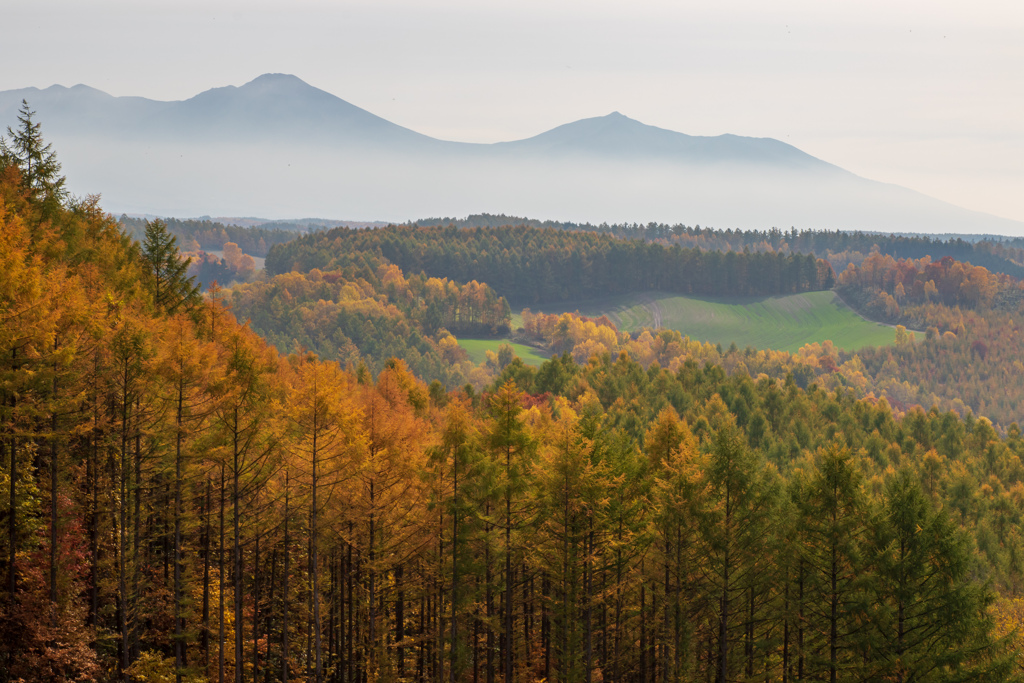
(834, 525)
(171, 287)
(34, 157)
(932, 620)
(514, 447)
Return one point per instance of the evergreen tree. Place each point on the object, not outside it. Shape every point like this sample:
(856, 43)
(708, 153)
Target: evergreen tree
(171, 287)
(40, 170)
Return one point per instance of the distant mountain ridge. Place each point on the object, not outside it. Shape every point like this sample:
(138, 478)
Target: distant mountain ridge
(282, 106)
(619, 136)
(277, 105)
(279, 147)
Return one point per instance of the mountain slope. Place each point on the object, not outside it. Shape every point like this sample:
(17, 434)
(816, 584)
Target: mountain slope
(273, 107)
(620, 137)
(279, 147)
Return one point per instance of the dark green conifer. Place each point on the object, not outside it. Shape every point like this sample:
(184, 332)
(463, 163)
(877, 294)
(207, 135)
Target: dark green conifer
(35, 158)
(172, 288)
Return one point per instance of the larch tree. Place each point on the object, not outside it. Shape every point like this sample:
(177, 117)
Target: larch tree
(388, 503)
(834, 526)
(242, 412)
(678, 489)
(735, 524)
(514, 448)
(324, 426)
(931, 620)
(186, 364)
(453, 461)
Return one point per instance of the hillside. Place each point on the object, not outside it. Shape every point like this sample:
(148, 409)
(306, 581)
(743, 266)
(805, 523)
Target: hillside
(782, 322)
(531, 266)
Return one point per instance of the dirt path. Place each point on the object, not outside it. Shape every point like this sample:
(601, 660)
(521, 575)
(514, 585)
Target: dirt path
(655, 308)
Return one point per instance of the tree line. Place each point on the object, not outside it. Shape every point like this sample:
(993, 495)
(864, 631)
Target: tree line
(840, 247)
(891, 283)
(531, 265)
(199, 234)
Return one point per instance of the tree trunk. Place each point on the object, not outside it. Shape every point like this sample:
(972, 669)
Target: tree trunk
(205, 635)
(236, 555)
(122, 573)
(489, 598)
(12, 521)
(179, 643)
(455, 566)
(137, 535)
(400, 620)
(800, 627)
(643, 625)
(287, 575)
(833, 631)
(508, 566)
(723, 614)
(270, 612)
(587, 588)
(349, 638)
(313, 564)
(12, 528)
(545, 625)
(373, 583)
(220, 577)
(94, 529)
(256, 609)
(53, 499)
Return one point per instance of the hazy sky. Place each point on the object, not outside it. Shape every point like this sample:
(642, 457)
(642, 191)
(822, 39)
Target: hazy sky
(926, 94)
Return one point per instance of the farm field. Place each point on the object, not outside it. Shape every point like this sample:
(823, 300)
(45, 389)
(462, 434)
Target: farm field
(477, 350)
(784, 323)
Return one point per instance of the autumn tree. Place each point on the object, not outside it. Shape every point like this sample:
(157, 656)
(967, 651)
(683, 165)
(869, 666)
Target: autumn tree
(930, 618)
(513, 448)
(325, 426)
(834, 525)
(735, 524)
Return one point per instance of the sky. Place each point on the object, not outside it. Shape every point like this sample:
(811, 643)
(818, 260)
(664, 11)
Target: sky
(924, 94)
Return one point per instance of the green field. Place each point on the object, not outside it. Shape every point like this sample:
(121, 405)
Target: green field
(477, 350)
(784, 322)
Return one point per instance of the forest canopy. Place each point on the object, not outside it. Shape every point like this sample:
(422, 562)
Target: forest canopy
(532, 265)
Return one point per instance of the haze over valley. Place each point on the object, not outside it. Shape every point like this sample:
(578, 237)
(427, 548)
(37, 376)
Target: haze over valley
(278, 147)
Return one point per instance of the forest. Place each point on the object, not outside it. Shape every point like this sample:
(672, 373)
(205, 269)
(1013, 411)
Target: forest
(839, 247)
(533, 265)
(965, 357)
(374, 317)
(195, 234)
(183, 502)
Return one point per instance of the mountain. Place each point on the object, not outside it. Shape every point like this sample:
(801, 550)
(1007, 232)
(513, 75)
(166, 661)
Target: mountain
(280, 147)
(273, 107)
(619, 137)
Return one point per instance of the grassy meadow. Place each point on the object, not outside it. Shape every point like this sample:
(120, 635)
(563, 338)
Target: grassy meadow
(478, 348)
(784, 322)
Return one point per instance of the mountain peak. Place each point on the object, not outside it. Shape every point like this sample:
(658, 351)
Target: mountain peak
(276, 79)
